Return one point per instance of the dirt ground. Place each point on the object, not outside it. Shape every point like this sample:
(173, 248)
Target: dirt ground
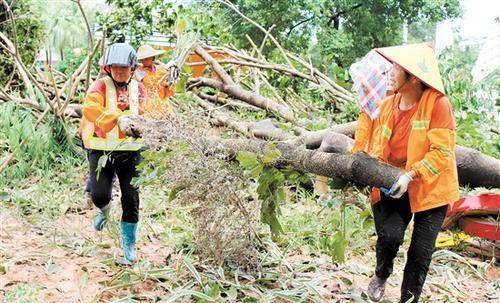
(74, 263)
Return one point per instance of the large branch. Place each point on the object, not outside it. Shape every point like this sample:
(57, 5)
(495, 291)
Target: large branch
(359, 167)
(475, 169)
(249, 97)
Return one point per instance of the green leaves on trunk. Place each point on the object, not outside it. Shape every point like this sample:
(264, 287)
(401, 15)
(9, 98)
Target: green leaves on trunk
(270, 187)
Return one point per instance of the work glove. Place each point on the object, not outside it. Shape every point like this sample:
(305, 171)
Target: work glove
(173, 74)
(401, 186)
(125, 124)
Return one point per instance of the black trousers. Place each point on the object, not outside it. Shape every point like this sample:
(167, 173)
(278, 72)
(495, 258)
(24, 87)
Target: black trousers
(121, 163)
(391, 219)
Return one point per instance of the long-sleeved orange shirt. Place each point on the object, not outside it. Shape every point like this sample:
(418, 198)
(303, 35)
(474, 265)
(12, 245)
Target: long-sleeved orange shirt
(158, 94)
(95, 110)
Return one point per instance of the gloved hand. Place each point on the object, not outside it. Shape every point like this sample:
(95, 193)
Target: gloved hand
(173, 74)
(401, 186)
(125, 124)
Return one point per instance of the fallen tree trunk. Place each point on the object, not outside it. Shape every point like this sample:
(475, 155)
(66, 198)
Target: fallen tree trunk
(475, 169)
(358, 167)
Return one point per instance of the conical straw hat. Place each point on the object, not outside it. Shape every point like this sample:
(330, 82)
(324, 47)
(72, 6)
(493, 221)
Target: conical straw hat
(146, 51)
(417, 59)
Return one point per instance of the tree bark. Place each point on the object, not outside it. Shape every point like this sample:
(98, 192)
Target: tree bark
(228, 86)
(249, 97)
(359, 167)
(475, 169)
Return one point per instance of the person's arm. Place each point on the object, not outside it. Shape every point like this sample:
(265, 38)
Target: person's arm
(441, 136)
(164, 90)
(363, 133)
(143, 97)
(94, 108)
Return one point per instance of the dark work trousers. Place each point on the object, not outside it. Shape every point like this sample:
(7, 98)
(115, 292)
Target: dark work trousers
(121, 163)
(88, 183)
(391, 219)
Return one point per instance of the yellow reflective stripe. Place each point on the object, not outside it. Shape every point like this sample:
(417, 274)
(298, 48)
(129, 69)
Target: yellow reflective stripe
(386, 131)
(429, 167)
(110, 145)
(445, 150)
(111, 95)
(420, 124)
(101, 116)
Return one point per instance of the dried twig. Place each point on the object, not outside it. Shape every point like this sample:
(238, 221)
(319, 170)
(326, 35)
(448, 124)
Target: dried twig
(266, 32)
(91, 43)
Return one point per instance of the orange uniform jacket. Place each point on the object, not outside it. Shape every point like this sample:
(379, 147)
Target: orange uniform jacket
(430, 149)
(150, 78)
(365, 130)
(95, 109)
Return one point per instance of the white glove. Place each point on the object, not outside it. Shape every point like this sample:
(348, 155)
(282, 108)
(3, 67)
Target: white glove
(401, 186)
(125, 125)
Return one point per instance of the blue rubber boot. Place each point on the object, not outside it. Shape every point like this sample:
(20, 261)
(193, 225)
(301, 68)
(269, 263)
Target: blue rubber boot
(101, 218)
(128, 240)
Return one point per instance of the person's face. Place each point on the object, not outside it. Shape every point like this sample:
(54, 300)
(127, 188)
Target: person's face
(148, 62)
(397, 77)
(120, 73)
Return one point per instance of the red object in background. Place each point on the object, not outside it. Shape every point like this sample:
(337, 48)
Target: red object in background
(481, 227)
(477, 216)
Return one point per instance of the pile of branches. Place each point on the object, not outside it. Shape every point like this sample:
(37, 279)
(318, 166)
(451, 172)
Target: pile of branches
(57, 90)
(48, 92)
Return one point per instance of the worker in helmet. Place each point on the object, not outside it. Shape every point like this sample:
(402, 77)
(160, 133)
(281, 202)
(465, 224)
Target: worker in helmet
(112, 150)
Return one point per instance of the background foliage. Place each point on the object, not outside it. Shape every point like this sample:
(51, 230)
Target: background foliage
(30, 31)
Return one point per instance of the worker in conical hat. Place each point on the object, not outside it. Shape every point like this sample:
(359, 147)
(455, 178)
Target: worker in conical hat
(152, 75)
(415, 132)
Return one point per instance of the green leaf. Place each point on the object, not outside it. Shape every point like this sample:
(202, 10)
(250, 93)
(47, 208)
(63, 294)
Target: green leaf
(193, 270)
(188, 293)
(338, 245)
(4, 196)
(256, 171)
(231, 293)
(247, 159)
(101, 163)
(271, 156)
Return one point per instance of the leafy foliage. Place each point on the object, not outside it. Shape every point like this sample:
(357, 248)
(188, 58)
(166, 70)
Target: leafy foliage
(342, 30)
(271, 184)
(30, 34)
(476, 109)
(50, 145)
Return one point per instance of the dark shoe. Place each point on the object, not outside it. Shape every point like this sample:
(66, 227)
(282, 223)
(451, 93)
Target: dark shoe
(376, 289)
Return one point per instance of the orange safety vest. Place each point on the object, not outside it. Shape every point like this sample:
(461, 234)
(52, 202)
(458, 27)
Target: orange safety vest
(431, 153)
(113, 141)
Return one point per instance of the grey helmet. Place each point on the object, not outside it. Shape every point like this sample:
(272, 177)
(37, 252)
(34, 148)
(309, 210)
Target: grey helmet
(120, 54)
